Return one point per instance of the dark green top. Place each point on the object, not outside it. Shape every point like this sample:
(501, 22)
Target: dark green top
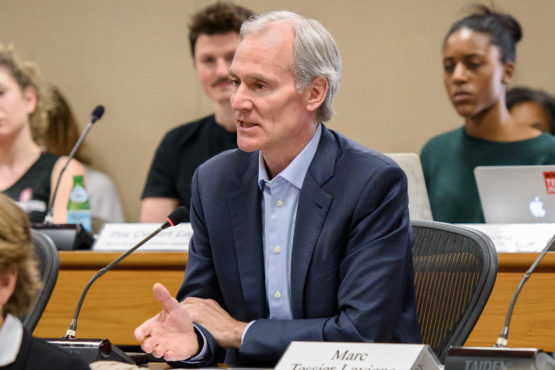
(448, 161)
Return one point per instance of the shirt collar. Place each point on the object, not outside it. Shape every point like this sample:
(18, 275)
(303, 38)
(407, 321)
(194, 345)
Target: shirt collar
(11, 334)
(296, 170)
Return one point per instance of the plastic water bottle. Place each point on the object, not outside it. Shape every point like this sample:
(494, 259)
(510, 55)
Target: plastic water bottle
(78, 211)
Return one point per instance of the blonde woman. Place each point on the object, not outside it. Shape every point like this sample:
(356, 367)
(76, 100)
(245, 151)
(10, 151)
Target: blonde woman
(29, 174)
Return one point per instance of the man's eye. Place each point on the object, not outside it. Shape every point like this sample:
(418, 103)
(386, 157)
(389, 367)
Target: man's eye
(449, 67)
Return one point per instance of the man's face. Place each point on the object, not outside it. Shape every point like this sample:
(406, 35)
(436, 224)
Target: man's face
(270, 114)
(213, 56)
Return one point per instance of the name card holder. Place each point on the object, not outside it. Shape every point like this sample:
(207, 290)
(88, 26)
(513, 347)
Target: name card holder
(357, 356)
(470, 358)
(122, 236)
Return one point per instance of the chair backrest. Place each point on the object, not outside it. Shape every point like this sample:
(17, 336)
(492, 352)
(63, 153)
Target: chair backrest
(49, 264)
(419, 203)
(455, 269)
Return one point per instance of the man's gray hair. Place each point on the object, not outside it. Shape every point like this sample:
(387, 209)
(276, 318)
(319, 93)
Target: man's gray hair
(315, 53)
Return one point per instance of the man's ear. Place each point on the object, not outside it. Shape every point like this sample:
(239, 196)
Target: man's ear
(30, 97)
(316, 93)
(508, 72)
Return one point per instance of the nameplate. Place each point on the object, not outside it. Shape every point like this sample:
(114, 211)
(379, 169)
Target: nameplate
(357, 356)
(122, 236)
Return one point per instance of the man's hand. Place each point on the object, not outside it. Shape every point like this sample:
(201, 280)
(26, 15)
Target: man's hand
(225, 329)
(169, 334)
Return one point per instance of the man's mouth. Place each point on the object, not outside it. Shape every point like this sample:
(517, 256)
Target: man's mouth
(245, 124)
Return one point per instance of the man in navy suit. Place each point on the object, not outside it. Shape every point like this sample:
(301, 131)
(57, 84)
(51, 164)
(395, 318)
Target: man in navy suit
(301, 234)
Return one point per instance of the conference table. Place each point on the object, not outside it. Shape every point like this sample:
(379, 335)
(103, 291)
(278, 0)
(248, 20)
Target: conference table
(122, 299)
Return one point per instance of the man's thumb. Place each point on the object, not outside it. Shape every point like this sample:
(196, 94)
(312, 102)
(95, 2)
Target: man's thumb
(163, 296)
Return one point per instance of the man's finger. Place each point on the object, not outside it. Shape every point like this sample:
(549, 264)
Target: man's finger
(147, 345)
(170, 356)
(192, 300)
(163, 296)
(139, 333)
(158, 351)
(142, 331)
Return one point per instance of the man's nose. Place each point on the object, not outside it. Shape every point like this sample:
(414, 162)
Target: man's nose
(240, 100)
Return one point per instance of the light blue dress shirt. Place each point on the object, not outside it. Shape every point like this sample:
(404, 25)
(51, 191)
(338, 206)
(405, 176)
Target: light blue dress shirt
(279, 211)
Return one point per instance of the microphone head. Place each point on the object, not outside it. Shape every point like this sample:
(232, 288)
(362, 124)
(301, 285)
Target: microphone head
(178, 216)
(97, 113)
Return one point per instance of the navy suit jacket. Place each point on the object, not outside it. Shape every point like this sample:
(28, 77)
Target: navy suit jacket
(351, 265)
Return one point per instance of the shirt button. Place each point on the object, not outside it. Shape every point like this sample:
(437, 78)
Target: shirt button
(279, 203)
(277, 294)
(277, 249)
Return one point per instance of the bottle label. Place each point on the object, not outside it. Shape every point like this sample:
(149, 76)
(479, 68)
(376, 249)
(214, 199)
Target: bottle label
(78, 194)
(82, 217)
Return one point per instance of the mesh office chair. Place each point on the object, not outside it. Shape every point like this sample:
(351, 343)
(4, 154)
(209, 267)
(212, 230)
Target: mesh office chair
(455, 269)
(49, 264)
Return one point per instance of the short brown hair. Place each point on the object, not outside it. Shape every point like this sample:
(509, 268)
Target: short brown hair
(16, 251)
(218, 18)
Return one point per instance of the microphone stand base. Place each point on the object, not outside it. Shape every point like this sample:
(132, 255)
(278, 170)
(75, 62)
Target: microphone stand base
(498, 358)
(91, 350)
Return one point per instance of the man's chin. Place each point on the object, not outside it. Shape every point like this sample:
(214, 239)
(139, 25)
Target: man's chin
(248, 147)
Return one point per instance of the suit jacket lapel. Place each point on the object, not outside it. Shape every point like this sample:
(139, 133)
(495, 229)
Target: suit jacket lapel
(314, 203)
(244, 205)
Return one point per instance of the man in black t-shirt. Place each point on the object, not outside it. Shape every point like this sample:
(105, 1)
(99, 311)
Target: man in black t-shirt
(213, 36)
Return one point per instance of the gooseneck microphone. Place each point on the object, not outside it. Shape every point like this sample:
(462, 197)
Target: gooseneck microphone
(503, 337)
(177, 216)
(101, 349)
(500, 356)
(95, 116)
